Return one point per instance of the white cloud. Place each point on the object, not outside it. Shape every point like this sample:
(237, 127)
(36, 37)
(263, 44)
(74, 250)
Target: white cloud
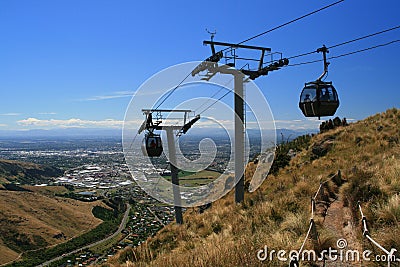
(3, 125)
(134, 124)
(312, 123)
(226, 124)
(294, 124)
(10, 114)
(70, 123)
(119, 94)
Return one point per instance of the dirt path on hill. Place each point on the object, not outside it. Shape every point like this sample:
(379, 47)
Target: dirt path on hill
(339, 222)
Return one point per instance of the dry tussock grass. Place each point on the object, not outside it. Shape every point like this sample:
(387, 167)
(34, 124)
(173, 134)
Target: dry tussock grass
(7, 255)
(277, 214)
(36, 215)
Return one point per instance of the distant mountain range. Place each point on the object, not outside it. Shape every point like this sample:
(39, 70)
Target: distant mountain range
(84, 132)
(91, 132)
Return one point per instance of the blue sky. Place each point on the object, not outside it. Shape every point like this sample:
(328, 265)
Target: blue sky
(77, 63)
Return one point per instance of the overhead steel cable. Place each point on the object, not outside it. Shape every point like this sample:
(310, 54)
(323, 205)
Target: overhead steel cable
(302, 63)
(289, 22)
(364, 37)
(345, 54)
(347, 42)
(205, 102)
(215, 102)
(365, 49)
(310, 62)
(304, 54)
(253, 37)
(172, 91)
(305, 63)
(212, 97)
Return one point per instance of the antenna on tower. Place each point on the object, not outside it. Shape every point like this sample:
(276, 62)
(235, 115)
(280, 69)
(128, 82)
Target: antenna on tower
(212, 34)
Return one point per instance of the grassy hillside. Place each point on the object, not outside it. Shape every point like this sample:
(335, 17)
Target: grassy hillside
(31, 217)
(31, 220)
(277, 215)
(26, 173)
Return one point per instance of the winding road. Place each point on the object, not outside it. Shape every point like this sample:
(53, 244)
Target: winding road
(120, 228)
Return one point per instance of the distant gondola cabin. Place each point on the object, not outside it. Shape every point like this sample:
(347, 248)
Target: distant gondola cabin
(152, 145)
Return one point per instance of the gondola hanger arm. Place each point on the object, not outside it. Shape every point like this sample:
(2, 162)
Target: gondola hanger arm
(324, 50)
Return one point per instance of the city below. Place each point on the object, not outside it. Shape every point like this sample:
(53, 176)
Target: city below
(95, 169)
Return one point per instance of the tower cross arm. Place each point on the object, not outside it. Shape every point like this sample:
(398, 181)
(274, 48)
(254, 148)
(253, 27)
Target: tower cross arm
(238, 45)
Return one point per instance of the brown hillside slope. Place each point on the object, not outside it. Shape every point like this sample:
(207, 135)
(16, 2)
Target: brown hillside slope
(26, 173)
(277, 215)
(31, 220)
(7, 254)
